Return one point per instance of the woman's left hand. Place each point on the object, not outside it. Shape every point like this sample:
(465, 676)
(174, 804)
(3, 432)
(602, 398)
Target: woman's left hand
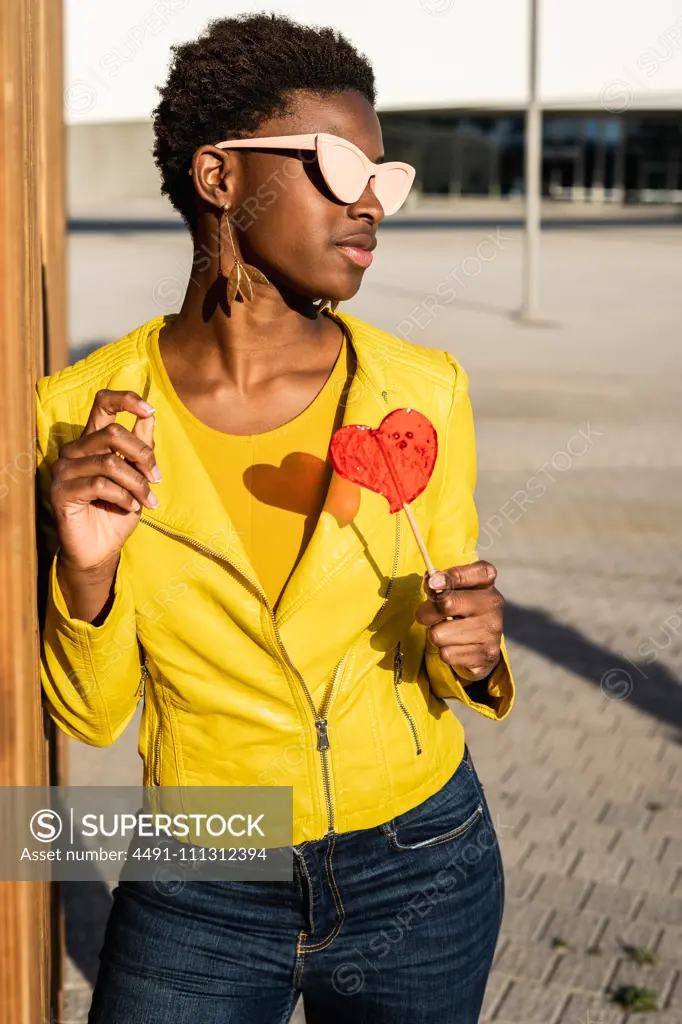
(469, 641)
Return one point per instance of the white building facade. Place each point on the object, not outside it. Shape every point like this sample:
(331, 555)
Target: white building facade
(453, 83)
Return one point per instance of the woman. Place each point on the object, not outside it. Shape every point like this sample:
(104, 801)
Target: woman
(276, 617)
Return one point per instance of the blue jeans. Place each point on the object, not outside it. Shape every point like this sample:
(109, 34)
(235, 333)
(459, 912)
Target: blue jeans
(390, 924)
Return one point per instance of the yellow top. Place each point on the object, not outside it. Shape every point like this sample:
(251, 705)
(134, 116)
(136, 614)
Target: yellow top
(273, 485)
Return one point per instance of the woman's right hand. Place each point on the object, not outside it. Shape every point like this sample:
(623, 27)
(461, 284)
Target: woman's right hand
(96, 495)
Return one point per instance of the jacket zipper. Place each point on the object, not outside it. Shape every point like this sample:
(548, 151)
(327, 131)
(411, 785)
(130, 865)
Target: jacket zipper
(320, 719)
(156, 753)
(397, 680)
(394, 568)
(144, 674)
(156, 765)
(156, 744)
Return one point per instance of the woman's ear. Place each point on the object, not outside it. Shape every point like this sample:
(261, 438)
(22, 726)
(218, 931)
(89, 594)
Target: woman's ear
(214, 173)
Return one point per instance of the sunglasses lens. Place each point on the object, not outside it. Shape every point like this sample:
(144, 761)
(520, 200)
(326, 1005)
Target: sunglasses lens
(344, 172)
(391, 187)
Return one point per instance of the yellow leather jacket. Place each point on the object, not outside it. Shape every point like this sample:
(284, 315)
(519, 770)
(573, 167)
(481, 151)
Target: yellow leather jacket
(340, 693)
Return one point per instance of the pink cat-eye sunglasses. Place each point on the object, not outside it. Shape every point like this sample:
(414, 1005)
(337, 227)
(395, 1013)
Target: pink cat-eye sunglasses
(344, 167)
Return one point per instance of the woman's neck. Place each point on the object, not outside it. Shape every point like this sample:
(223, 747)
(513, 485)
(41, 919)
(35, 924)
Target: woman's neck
(245, 342)
(249, 366)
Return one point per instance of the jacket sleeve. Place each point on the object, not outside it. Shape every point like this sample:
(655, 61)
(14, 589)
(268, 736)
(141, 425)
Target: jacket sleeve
(90, 675)
(452, 541)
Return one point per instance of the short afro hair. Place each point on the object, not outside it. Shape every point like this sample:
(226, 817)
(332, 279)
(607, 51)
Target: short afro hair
(237, 73)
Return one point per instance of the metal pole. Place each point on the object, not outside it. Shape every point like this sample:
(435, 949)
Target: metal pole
(533, 177)
(618, 188)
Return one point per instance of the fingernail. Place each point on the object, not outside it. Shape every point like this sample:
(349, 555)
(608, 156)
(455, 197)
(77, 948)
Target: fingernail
(136, 505)
(438, 581)
(146, 406)
(152, 499)
(156, 474)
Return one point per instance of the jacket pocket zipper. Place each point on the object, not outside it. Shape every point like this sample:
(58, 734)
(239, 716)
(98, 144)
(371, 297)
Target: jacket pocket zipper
(156, 752)
(155, 765)
(397, 681)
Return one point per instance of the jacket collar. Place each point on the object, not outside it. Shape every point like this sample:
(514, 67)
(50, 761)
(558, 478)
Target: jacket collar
(189, 504)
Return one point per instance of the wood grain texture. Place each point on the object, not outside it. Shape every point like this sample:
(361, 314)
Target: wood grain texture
(32, 333)
(51, 185)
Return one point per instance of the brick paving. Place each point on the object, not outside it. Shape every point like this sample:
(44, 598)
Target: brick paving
(585, 777)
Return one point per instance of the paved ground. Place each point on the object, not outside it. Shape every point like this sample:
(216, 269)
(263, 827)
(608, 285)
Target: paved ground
(580, 502)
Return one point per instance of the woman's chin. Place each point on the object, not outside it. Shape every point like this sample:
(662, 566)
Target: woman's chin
(342, 291)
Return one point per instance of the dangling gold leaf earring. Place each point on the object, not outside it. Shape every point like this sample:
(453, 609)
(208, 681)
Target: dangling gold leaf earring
(240, 276)
(332, 303)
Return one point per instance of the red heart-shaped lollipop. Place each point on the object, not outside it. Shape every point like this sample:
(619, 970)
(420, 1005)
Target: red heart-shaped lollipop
(396, 459)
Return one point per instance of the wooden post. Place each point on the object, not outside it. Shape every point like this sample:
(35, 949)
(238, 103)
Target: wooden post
(32, 339)
(51, 186)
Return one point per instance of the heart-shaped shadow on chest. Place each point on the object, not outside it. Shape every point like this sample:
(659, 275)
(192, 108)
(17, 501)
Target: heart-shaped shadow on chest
(304, 484)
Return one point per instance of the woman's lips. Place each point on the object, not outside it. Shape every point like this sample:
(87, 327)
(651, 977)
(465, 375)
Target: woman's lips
(360, 257)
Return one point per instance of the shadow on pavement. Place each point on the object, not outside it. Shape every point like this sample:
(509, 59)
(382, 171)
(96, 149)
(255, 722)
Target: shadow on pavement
(417, 294)
(650, 686)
